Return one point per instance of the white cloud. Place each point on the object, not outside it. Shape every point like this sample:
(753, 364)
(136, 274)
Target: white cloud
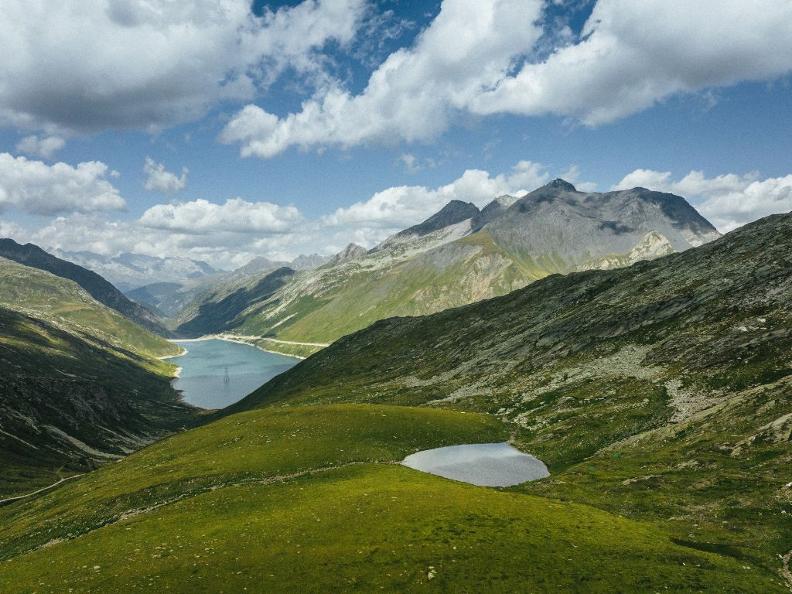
(40, 146)
(235, 216)
(37, 188)
(414, 93)
(159, 179)
(414, 164)
(634, 54)
(229, 234)
(728, 200)
(89, 65)
(410, 162)
(397, 207)
(488, 57)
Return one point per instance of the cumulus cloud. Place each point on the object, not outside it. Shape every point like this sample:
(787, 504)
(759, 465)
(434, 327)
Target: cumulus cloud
(40, 146)
(77, 65)
(414, 93)
(37, 188)
(92, 233)
(229, 234)
(159, 179)
(633, 54)
(628, 56)
(728, 201)
(397, 207)
(236, 215)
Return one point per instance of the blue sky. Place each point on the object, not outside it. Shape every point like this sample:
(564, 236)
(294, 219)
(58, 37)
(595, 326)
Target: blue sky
(325, 122)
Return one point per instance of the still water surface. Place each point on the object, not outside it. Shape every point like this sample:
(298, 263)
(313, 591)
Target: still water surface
(203, 376)
(483, 464)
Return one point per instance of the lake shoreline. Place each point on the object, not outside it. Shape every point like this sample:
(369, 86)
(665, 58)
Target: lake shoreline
(231, 338)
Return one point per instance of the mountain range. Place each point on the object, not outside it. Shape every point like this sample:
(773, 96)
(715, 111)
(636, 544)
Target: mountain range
(660, 391)
(460, 255)
(99, 288)
(129, 271)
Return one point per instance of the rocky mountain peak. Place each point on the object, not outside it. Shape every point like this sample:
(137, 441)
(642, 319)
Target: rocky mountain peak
(351, 252)
(560, 185)
(454, 212)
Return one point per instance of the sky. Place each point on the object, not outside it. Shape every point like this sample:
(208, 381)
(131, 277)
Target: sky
(222, 130)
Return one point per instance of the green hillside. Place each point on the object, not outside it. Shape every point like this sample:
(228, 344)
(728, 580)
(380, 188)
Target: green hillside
(79, 383)
(668, 461)
(307, 499)
(97, 287)
(660, 391)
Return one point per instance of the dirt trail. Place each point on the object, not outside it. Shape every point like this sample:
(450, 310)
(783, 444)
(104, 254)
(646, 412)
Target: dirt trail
(47, 488)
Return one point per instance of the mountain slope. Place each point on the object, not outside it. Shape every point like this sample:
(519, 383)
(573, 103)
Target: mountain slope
(575, 229)
(462, 255)
(662, 391)
(161, 298)
(101, 290)
(79, 383)
(308, 499)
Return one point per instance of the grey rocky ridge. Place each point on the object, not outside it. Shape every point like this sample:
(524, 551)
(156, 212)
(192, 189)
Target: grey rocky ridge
(463, 254)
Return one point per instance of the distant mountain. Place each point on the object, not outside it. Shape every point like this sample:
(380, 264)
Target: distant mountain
(562, 229)
(309, 262)
(99, 288)
(80, 384)
(164, 299)
(129, 271)
(452, 213)
(218, 312)
(351, 252)
(661, 391)
(463, 254)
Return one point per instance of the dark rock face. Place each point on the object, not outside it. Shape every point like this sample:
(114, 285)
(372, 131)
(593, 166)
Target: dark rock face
(96, 286)
(454, 212)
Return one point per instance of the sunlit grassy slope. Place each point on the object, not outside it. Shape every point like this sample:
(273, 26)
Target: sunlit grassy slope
(307, 499)
(65, 304)
(662, 391)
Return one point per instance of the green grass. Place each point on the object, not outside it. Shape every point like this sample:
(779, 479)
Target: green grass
(63, 303)
(305, 498)
(247, 447)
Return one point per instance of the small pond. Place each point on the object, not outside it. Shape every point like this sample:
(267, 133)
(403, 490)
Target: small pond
(483, 464)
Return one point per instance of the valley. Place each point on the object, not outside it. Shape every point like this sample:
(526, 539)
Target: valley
(359, 296)
(620, 442)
